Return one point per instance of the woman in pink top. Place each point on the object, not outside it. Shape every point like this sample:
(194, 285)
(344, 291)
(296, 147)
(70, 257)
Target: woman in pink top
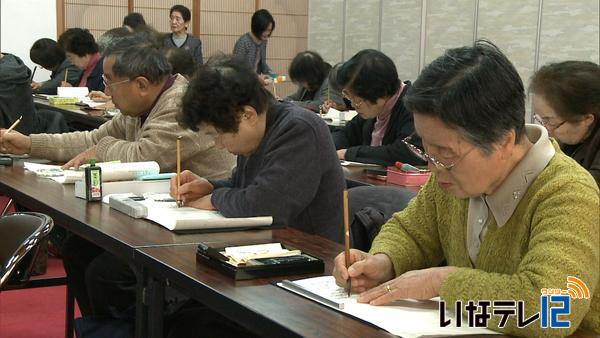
(81, 49)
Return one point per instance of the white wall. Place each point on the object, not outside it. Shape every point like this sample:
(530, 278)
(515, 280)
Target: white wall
(22, 22)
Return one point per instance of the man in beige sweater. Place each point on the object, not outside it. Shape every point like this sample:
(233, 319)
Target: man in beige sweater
(146, 129)
(149, 97)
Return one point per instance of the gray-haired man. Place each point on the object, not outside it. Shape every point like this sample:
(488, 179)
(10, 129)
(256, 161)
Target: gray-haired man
(149, 97)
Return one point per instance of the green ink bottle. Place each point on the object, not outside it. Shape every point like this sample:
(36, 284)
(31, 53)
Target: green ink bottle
(93, 182)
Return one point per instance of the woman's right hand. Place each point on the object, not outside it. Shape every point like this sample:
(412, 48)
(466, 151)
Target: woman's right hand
(191, 188)
(366, 271)
(331, 104)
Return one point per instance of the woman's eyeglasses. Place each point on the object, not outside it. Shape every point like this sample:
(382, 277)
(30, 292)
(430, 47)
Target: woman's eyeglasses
(355, 103)
(544, 123)
(426, 157)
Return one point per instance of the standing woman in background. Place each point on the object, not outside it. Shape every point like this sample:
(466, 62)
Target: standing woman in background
(567, 102)
(48, 54)
(82, 51)
(252, 46)
(180, 17)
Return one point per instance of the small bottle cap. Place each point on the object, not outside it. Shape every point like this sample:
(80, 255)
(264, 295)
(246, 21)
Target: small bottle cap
(93, 162)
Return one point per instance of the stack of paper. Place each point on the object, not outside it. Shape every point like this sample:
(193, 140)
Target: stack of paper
(335, 115)
(163, 210)
(81, 93)
(406, 318)
(111, 171)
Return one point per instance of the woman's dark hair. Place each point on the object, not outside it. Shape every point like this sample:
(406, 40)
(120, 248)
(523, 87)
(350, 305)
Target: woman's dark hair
(309, 67)
(134, 20)
(184, 11)
(78, 41)
(572, 88)
(181, 61)
(370, 75)
(260, 22)
(47, 53)
(218, 93)
(474, 89)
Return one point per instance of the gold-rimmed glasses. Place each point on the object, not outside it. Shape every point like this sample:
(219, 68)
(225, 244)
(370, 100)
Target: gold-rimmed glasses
(355, 103)
(111, 85)
(552, 126)
(426, 157)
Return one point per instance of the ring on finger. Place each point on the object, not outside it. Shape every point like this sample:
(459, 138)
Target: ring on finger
(388, 288)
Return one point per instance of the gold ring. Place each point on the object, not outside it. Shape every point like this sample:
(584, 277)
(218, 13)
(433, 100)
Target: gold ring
(388, 288)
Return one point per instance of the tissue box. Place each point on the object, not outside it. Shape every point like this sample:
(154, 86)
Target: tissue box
(399, 177)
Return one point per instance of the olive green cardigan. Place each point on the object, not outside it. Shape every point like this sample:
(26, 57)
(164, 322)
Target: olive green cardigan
(553, 233)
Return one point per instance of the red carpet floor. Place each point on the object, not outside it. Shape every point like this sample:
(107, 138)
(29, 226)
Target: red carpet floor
(35, 313)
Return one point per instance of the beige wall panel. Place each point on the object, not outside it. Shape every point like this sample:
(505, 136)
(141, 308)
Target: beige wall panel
(223, 23)
(279, 66)
(401, 35)
(213, 44)
(362, 26)
(285, 48)
(121, 3)
(326, 29)
(228, 5)
(449, 24)
(291, 26)
(157, 18)
(160, 3)
(570, 31)
(94, 17)
(293, 7)
(512, 26)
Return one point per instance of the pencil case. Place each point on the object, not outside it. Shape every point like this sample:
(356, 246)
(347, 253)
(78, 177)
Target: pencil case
(63, 100)
(407, 178)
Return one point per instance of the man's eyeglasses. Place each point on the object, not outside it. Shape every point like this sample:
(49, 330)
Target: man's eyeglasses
(111, 85)
(355, 103)
(552, 126)
(426, 157)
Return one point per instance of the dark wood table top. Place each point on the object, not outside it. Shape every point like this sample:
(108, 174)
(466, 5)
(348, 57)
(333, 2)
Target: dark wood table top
(256, 304)
(95, 221)
(90, 119)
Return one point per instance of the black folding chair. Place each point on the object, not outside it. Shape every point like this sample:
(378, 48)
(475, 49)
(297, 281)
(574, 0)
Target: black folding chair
(20, 236)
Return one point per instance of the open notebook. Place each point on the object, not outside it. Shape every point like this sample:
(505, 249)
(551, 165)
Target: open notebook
(406, 318)
(163, 210)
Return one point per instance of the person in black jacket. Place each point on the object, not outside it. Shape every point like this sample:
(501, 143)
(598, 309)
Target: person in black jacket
(48, 54)
(369, 80)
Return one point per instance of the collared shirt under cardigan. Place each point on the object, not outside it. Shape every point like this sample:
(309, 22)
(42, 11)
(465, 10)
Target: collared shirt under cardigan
(554, 232)
(502, 203)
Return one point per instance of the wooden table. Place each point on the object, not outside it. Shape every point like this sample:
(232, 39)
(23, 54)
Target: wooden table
(76, 118)
(97, 222)
(255, 304)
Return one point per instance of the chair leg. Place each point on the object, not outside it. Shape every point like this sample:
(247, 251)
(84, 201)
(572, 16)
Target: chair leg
(70, 314)
(7, 206)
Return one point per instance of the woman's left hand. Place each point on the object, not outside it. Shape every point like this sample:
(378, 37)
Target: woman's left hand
(416, 284)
